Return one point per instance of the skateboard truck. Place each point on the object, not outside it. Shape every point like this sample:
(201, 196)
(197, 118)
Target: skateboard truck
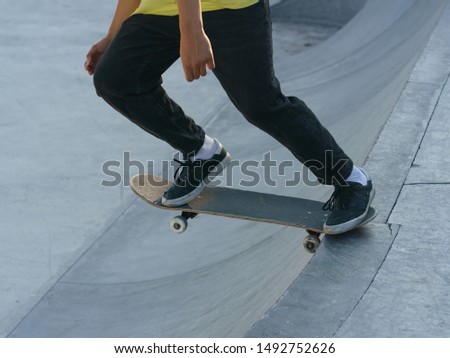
(179, 223)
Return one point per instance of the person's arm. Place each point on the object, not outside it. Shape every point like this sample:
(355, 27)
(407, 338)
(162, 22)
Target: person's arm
(195, 47)
(124, 9)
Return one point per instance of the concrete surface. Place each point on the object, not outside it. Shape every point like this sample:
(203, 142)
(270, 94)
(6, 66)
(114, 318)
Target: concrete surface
(391, 279)
(324, 12)
(82, 260)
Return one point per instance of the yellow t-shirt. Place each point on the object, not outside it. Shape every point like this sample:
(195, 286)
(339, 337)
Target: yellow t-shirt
(170, 8)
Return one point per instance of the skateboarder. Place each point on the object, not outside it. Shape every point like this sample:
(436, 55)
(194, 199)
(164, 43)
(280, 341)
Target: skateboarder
(233, 39)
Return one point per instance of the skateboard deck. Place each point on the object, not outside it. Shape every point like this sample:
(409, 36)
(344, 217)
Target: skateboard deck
(241, 204)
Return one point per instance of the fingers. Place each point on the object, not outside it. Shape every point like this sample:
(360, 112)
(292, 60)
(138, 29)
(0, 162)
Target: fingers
(202, 70)
(188, 74)
(195, 71)
(211, 64)
(191, 72)
(92, 58)
(196, 54)
(89, 64)
(95, 54)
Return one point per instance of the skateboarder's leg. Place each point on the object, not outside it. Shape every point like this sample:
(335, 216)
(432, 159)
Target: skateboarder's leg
(242, 45)
(128, 77)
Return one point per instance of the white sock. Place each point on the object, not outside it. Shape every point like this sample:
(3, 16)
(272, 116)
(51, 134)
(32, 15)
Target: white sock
(357, 176)
(207, 150)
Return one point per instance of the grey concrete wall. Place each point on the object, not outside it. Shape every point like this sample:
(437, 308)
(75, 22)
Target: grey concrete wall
(324, 12)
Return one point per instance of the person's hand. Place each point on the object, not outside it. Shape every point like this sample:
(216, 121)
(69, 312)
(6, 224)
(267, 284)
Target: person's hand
(196, 54)
(95, 54)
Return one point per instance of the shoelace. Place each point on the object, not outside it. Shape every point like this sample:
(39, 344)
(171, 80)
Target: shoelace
(183, 164)
(340, 196)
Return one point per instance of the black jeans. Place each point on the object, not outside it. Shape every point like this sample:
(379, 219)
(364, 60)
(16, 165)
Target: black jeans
(128, 77)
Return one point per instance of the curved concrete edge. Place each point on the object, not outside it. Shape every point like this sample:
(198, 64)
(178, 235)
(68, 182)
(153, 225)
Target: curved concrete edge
(326, 292)
(384, 280)
(323, 12)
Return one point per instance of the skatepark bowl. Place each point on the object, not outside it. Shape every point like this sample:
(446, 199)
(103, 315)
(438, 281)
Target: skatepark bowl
(89, 260)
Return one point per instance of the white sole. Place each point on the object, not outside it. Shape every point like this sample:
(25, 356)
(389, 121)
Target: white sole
(349, 225)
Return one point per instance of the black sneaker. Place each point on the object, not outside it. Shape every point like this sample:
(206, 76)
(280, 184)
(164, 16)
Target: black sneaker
(192, 176)
(349, 206)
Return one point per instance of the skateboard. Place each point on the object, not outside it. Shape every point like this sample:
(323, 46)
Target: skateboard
(241, 204)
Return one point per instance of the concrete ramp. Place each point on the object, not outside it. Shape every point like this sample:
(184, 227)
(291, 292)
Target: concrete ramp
(85, 260)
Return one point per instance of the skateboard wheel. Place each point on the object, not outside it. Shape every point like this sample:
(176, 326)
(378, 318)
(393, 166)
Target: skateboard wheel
(311, 243)
(178, 224)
